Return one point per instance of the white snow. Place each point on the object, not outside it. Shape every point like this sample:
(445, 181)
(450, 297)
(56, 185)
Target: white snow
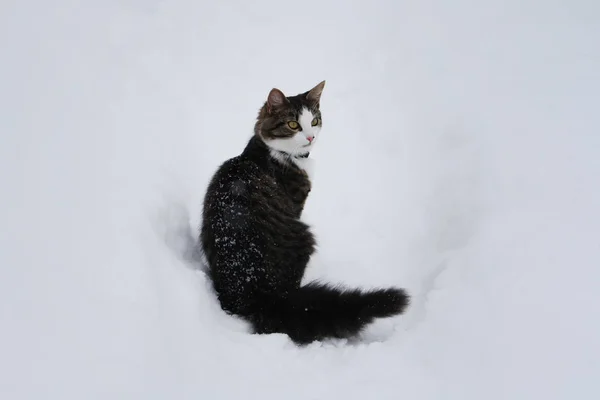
(459, 158)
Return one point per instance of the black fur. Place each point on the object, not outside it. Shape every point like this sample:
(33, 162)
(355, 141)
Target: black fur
(317, 311)
(257, 250)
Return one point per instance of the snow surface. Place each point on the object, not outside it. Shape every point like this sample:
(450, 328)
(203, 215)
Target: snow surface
(459, 158)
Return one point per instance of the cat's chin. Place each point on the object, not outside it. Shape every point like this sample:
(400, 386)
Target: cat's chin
(301, 151)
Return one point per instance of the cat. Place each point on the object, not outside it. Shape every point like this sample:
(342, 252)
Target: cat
(256, 246)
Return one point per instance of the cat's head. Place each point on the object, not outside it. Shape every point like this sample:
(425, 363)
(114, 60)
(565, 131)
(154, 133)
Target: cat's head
(291, 124)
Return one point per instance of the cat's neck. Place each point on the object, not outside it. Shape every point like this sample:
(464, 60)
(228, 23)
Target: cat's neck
(258, 150)
(285, 158)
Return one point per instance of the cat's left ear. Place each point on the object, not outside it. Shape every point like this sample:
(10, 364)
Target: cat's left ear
(314, 94)
(276, 99)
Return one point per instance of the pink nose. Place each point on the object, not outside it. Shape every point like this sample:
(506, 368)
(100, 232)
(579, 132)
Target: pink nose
(310, 138)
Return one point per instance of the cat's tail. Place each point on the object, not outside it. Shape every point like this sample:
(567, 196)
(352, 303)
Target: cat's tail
(318, 311)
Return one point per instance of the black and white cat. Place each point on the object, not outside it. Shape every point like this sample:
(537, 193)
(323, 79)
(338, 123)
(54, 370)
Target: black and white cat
(256, 246)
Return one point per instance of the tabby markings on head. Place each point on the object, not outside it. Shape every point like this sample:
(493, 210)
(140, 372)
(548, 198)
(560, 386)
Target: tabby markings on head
(290, 126)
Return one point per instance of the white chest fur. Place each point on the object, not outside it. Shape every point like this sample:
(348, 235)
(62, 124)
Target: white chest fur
(304, 163)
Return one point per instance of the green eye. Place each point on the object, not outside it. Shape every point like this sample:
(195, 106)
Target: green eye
(315, 122)
(293, 124)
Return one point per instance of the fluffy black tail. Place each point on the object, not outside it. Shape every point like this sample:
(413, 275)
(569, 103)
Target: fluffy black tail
(317, 311)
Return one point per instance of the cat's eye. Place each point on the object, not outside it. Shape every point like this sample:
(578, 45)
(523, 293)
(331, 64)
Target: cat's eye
(315, 122)
(293, 125)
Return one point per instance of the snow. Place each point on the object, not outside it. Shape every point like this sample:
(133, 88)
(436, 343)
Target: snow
(458, 159)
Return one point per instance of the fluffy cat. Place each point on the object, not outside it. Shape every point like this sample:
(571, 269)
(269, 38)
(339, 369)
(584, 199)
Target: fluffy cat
(256, 246)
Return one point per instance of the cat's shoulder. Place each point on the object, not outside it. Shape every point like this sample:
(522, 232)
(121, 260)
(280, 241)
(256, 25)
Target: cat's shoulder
(236, 176)
(237, 167)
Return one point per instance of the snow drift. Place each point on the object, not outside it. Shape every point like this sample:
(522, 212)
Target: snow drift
(458, 159)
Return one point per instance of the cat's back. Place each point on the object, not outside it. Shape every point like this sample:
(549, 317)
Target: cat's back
(231, 183)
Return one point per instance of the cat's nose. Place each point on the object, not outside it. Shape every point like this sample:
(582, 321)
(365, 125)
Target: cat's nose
(310, 138)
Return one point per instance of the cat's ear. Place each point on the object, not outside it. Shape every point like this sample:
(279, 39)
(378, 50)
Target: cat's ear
(276, 99)
(314, 94)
